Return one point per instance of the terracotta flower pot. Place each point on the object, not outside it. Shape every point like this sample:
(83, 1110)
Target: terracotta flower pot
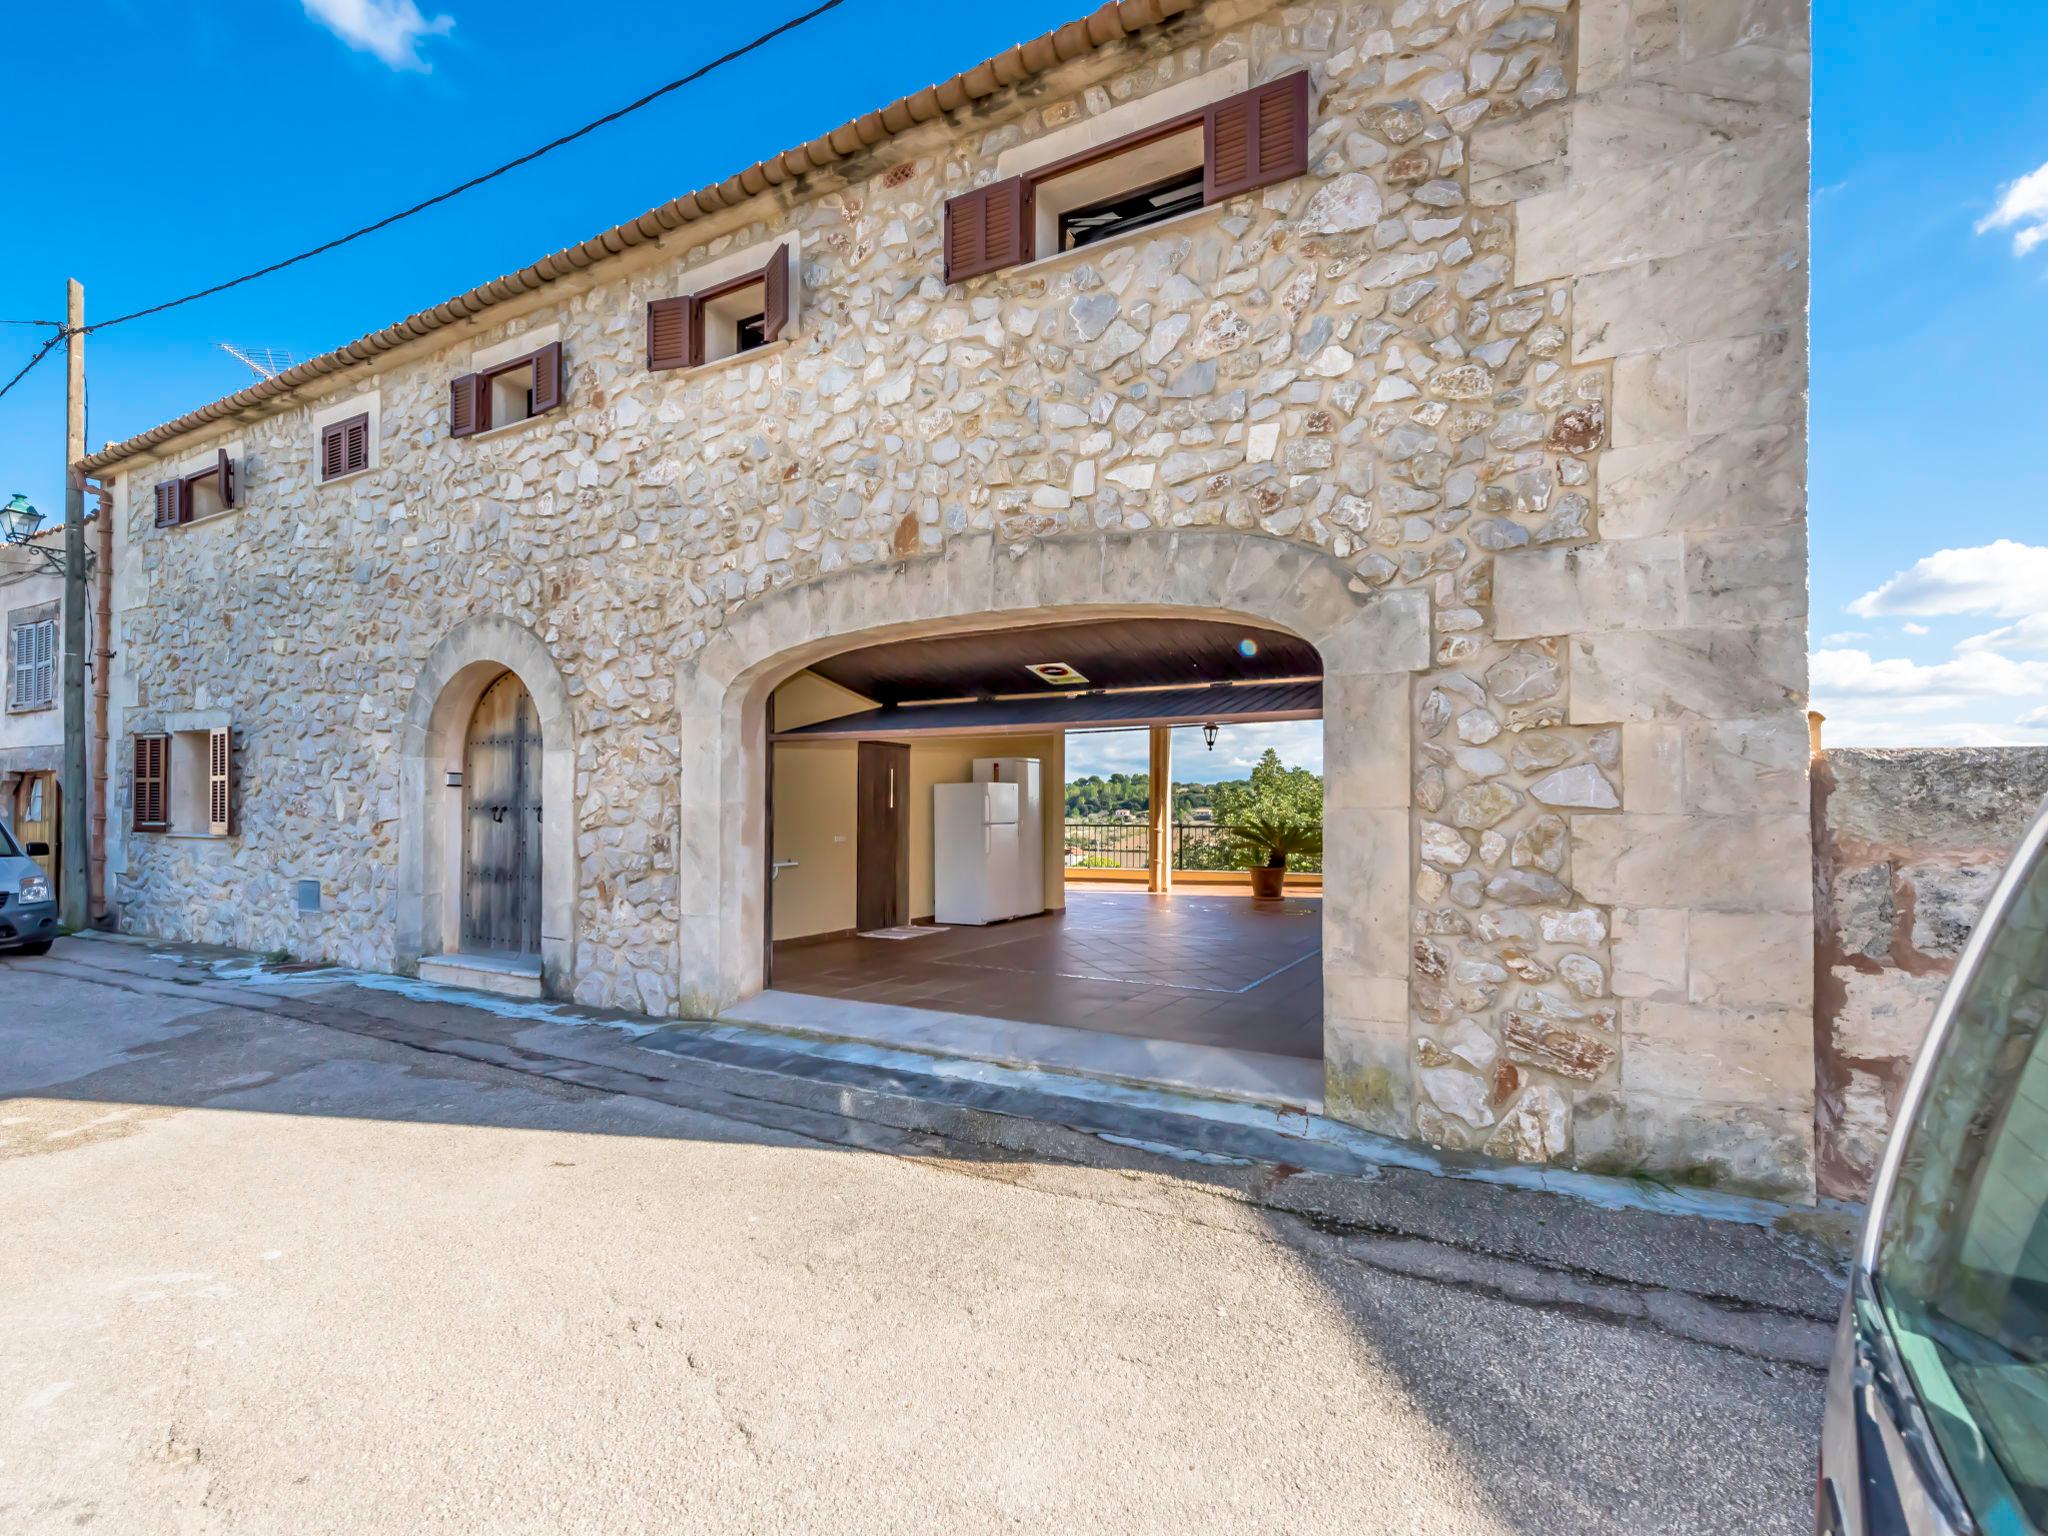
(1267, 882)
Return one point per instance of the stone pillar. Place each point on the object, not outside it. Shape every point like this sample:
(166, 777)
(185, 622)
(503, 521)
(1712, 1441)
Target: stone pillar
(1159, 876)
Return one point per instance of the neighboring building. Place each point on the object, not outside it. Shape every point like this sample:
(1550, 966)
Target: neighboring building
(32, 695)
(1463, 340)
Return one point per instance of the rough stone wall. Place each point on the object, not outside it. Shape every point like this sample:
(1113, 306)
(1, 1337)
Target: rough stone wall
(1909, 845)
(1528, 338)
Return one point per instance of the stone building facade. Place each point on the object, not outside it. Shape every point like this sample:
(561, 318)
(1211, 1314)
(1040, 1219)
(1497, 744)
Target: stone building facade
(1501, 404)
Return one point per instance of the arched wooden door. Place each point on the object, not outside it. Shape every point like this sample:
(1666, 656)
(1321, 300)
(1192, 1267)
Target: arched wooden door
(501, 822)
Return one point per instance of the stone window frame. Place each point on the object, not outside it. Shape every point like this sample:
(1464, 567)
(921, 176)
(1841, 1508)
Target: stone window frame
(19, 621)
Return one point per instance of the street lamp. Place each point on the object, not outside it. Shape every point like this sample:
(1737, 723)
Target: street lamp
(18, 520)
(19, 524)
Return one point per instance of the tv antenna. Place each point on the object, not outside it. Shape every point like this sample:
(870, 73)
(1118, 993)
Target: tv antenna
(264, 362)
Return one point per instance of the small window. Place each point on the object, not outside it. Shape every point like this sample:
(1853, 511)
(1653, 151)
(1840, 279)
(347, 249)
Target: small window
(183, 782)
(724, 321)
(512, 391)
(206, 493)
(1230, 147)
(34, 664)
(345, 447)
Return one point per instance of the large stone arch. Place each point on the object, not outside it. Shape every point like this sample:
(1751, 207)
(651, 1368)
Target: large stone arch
(456, 672)
(1370, 642)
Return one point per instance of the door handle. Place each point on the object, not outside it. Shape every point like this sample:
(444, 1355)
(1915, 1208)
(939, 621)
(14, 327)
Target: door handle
(778, 866)
(497, 813)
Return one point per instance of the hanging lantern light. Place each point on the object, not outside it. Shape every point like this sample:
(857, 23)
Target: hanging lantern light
(1209, 735)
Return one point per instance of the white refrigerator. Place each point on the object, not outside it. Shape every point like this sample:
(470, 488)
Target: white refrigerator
(1029, 881)
(974, 852)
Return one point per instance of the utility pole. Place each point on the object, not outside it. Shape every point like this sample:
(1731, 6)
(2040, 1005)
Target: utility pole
(73, 907)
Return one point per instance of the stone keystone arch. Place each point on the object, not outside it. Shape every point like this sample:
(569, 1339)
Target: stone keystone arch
(1370, 643)
(451, 680)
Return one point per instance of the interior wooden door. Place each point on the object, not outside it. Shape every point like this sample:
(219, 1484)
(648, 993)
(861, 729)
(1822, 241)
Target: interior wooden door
(501, 822)
(38, 818)
(882, 845)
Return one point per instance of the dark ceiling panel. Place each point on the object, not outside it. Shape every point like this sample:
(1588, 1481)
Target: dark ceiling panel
(1081, 711)
(1109, 653)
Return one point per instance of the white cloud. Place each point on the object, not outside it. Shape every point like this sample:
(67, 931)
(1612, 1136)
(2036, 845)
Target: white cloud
(2023, 209)
(390, 29)
(1844, 637)
(2028, 636)
(1980, 674)
(2005, 578)
(1916, 629)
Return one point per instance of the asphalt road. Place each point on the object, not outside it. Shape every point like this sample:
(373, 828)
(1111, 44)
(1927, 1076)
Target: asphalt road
(264, 1275)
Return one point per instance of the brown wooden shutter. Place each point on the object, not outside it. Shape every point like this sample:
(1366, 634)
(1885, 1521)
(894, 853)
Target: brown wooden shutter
(467, 399)
(775, 286)
(1255, 138)
(990, 228)
(355, 452)
(150, 789)
(672, 333)
(547, 377)
(219, 780)
(224, 467)
(166, 503)
(333, 451)
(185, 499)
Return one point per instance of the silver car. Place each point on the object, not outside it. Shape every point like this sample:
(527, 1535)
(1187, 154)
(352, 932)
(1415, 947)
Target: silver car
(1937, 1408)
(28, 904)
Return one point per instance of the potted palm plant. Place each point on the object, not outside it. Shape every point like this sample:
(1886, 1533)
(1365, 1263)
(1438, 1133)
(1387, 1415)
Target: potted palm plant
(1266, 838)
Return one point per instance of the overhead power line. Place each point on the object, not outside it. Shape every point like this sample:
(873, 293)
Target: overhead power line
(420, 207)
(491, 175)
(41, 352)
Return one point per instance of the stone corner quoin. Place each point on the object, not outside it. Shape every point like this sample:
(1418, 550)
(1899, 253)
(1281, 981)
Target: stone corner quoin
(1502, 402)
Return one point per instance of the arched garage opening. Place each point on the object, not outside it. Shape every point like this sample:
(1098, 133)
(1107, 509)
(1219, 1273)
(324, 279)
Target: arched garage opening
(1369, 643)
(934, 878)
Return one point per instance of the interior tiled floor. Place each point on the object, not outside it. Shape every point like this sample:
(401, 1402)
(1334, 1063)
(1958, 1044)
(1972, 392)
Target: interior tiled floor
(1198, 968)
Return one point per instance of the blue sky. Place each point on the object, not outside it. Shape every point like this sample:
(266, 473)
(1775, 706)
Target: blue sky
(1930, 534)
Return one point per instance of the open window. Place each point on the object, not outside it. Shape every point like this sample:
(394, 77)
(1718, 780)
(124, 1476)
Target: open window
(183, 783)
(511, 391)
(1230, 147)
(739, 315)
(205, 493)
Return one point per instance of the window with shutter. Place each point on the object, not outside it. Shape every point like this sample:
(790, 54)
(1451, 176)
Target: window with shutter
(505, 393)
(168, 495)
(1244, 142)
(712, 324)
(345, 447)
(149, 786)
(219, 781)
(33, 684)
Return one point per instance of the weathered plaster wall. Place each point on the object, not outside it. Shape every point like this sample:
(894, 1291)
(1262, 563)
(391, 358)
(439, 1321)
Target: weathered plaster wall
(1909, 846)
(1524, 349)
